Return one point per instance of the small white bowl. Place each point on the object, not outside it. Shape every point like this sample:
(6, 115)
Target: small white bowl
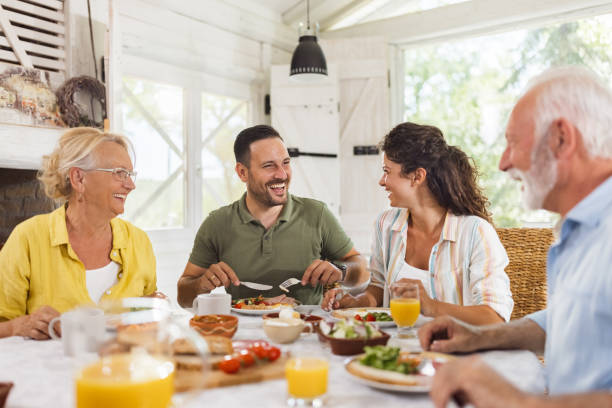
(280, 331)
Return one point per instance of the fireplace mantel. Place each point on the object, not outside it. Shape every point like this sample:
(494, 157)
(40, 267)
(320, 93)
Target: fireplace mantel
(22, 147)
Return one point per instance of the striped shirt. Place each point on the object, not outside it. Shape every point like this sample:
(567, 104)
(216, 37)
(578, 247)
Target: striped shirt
(466, 266)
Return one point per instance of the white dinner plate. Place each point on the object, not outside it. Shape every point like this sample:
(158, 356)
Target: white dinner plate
(256, 312)
(351, 312)
(416, 388)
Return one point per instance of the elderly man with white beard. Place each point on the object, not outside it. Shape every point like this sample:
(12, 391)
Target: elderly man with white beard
(560, 147)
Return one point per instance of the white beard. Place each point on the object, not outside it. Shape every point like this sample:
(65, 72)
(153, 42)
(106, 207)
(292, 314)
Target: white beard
(541, 177)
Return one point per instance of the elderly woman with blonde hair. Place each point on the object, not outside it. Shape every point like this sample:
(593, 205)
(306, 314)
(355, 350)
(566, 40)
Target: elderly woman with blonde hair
(81, 253)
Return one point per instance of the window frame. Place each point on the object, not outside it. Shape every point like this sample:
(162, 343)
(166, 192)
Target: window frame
(193, 84)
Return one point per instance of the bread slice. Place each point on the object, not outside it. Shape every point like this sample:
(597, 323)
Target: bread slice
(386, 376)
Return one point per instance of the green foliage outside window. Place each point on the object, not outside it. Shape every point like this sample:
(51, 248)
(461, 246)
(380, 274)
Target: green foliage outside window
(467, 89)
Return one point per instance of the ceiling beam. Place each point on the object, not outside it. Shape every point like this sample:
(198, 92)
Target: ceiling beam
(468, 18)
(233, 19)
(320, 11)
(350, 8)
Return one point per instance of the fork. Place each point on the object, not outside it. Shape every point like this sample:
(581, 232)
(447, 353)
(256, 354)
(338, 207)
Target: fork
(288, 283)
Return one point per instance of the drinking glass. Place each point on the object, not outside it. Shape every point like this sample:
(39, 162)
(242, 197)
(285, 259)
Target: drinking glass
(136, 367)
(405, 307)
(306, 381)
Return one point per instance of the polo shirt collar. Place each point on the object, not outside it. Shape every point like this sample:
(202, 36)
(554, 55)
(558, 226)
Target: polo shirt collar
(246, 216)
(287, 210)
(243, 211)
(592, 208)
(450, 230)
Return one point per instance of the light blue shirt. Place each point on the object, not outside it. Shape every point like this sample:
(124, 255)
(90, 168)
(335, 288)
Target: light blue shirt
(578, 317)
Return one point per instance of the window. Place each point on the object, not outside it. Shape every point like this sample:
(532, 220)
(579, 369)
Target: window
(152, 115)
(467, 89)
(222, 119)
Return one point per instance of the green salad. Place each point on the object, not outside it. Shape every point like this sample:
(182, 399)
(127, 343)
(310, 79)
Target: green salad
(351, 329)
(389, 358)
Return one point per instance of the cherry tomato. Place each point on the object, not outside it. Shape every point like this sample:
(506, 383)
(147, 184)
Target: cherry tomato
(370, 317)
(246, 358)
(273, 353)
(358, 317)
(259, 348)
(229, 365)
(238, 306)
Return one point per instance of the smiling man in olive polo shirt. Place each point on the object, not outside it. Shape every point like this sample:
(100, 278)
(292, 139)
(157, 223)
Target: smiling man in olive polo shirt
(268, 235)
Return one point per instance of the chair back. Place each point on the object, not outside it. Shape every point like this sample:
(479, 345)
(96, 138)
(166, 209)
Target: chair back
(527, 249)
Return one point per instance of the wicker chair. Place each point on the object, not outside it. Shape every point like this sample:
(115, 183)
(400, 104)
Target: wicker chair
(527, 249)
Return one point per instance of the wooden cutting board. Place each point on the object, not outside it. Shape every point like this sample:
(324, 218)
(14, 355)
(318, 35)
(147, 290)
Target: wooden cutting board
(194, 379)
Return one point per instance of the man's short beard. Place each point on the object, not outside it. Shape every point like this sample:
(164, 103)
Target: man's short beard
(541, 177)
(265, 198)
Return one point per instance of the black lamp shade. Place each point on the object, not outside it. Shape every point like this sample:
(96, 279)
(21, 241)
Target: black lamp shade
(308, 57)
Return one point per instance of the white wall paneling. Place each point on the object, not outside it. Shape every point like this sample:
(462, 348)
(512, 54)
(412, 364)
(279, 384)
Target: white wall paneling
(364, 120)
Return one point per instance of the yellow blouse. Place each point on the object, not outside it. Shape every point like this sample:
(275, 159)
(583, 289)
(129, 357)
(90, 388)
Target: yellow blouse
(39, 267)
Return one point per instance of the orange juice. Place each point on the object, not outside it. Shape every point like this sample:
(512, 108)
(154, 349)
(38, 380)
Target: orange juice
(126, 381)
(405, 311)
(306, 377)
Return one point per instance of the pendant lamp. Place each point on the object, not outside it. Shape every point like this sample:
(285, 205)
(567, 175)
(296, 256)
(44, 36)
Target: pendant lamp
(308, 62)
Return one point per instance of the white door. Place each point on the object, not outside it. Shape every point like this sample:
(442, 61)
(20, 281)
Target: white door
(306, 116)
(364, 120)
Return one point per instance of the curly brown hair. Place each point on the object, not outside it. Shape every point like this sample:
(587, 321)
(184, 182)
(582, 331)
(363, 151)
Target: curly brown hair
(452, 176)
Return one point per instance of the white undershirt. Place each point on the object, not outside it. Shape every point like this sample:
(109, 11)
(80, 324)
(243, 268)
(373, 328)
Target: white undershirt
(410, 272)
(101, 279)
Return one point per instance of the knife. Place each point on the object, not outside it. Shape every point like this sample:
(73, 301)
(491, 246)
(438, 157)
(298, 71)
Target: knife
(256, 286)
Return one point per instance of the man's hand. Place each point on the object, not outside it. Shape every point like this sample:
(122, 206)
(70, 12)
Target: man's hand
(427, 303)
(322, 272)
(471, 380)
(35, 325)
(447, 334)
(330, 300)
(217, 275)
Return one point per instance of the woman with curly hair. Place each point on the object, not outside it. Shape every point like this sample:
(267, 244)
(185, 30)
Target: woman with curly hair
(81, 253)
(438, 233)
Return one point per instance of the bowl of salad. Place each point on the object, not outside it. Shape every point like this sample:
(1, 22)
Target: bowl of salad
(349, 337)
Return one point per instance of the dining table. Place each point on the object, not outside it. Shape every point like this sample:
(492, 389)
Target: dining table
(44, 377)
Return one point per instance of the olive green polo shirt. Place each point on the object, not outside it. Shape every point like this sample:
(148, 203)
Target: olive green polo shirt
(305, 231)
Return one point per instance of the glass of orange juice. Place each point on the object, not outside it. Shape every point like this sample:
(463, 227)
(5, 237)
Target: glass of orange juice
(405, 307)
(127, 380)
(306, 381)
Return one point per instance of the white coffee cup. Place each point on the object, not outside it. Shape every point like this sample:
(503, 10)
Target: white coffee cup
(83, 330)
(212, 303)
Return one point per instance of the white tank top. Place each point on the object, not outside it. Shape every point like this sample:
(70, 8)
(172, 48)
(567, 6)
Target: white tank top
(101, 279)
(410, 272)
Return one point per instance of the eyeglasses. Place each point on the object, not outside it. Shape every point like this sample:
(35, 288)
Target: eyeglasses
(120, 173)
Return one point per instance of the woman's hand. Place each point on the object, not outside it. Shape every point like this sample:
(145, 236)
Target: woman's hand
(337, 299)
(428, 305)
(158, 295)
(35, 325)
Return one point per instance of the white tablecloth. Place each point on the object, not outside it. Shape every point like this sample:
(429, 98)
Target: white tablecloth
(43, 377)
